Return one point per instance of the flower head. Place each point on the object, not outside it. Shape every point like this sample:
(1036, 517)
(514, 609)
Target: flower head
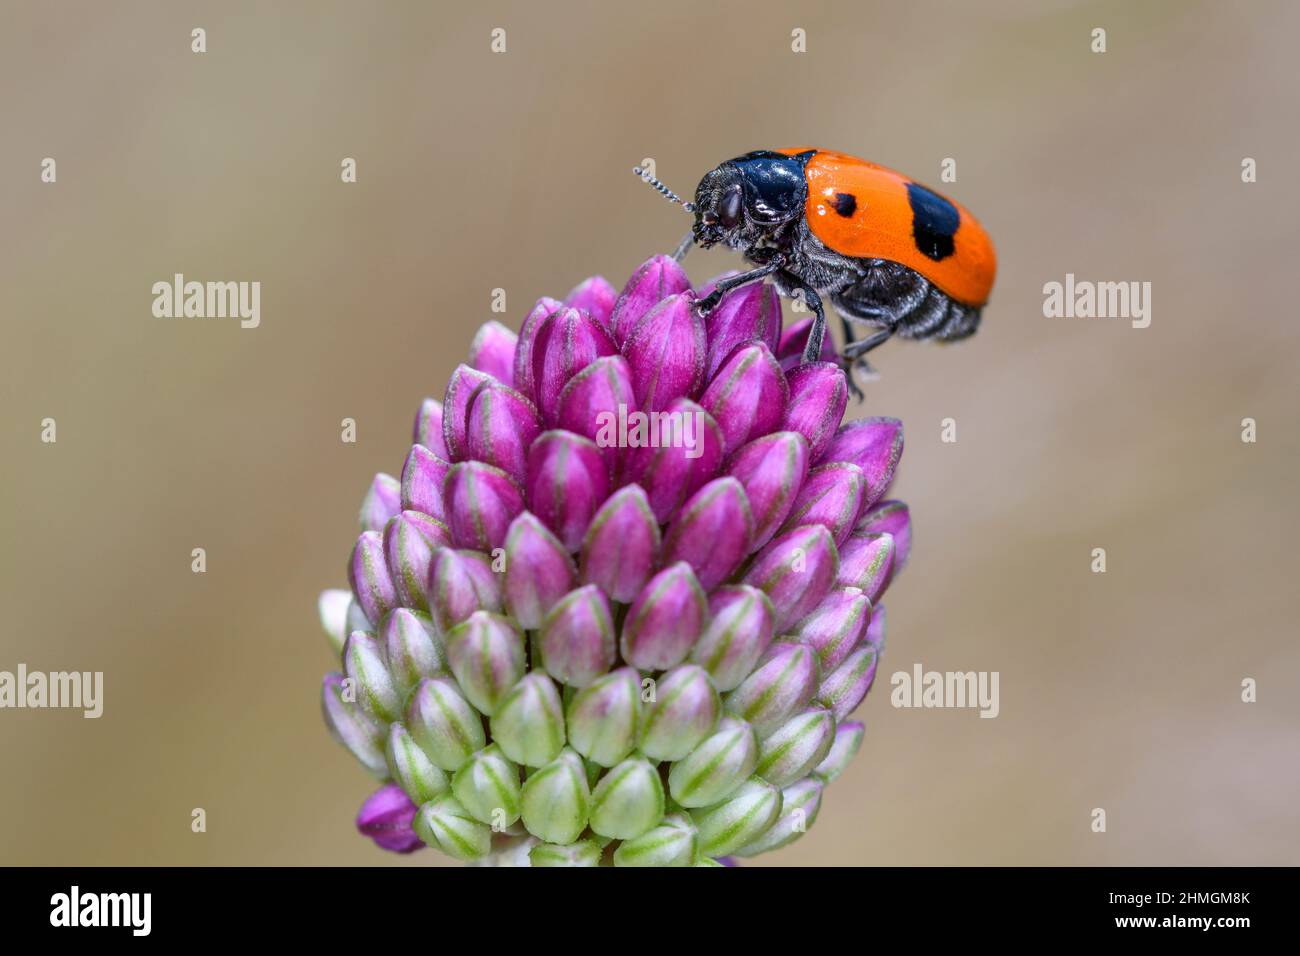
(625, 594)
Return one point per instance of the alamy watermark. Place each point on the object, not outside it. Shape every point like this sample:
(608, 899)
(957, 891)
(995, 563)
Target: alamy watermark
(944, 689)
(179, 299)
(75, 908)
(36, 689)
(1083, 299)
(626, 429)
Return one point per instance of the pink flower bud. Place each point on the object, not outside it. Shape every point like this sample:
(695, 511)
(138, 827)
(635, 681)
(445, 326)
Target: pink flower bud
(751, 313)
(409, 542)
(671, 473)
(747, 397)
(771, 469)
(867, 562)
(621, 548)
(383, 500)
(831, 497)
(567, 481)
(481, 503)
(566, 342)
(577, 637)
(538, 571)
(500, 428)
(836, 626)
(873, 444)
(667, 353)
(658, 278)
(523, 376)
(740, 630)
(712, 532)
(796, 571)
(372, 585)
(455, 408)
(423, 477)
(665, 619)
(596, 296)
(890, 517)
(789, 351)
(386, 817)
(460, 583)
(783, 682)
(590, 404)
(428, 428)
(819, 393)
(843, 689)
(493, 352)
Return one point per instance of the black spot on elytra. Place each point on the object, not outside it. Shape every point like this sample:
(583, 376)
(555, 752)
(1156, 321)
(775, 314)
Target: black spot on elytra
(934, 222)
(845, 204)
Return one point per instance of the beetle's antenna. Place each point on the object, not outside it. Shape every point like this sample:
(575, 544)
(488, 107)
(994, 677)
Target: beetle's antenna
(663, 190)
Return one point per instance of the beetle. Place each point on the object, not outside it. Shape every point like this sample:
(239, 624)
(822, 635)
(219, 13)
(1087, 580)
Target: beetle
(888, 252)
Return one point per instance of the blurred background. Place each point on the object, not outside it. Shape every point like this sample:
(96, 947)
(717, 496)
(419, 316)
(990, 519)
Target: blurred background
(479, 171)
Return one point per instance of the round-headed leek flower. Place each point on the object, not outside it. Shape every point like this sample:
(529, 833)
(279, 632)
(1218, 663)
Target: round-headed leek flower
(625, 595)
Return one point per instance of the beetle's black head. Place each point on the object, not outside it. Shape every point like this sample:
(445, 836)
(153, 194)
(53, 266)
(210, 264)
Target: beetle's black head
(748, 199)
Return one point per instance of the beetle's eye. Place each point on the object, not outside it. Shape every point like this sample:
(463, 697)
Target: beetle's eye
(729, 207)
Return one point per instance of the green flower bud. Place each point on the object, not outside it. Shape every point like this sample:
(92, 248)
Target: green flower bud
(377, 692)
(739, 820)
(797, 746)
(602, 717)
(628, 801)
(584, 853)
(675, 842)
(487, 786)
(685, 711)
(411, 647)
(444, 824)
(556, 799)
(486, 654)
(799, 805)
(720, 764)
(411, 767)
(529, 722)
(443, 723)
(848, 738)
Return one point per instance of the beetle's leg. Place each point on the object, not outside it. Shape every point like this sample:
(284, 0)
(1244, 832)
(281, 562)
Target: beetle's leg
(710, 301)
(859, 349)
(684, 246)
(812, 351)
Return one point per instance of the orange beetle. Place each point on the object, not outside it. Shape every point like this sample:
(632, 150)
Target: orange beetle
(888, 252)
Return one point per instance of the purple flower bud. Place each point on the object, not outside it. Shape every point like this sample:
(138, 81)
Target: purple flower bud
(673, 472)
(667, 353)
(409, 540)
(836, 627)
(686, 709)
(567, 481)
(890, 517)
(876, 629)
(486, 654)
(784, 681)
(658, 278)
(386, 817)
(382, 501)
(751, 313)
(747, 397)
(796, 747)
(493, 352)
(351, 726)
(523, 377)
(428, 428)
(873, 444)
(867, 562)
(831, 497)
(577, 637)
(538, 572)
(589, 405)
(596, 296)
(410, 647)
(665, 619)
(481, 503)
(789, 351)
(740, 630)
(423, 477)
(501, 427)
(712, 532)
(567, 341)
(460, 583)
(443, 723)
(621, 547)
(771, 469)
(796, 571)
(819, 393)
(844, 689)
(461, 387)
(372, 585)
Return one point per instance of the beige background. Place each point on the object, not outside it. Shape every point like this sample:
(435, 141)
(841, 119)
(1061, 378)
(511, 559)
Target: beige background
(479, 171)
